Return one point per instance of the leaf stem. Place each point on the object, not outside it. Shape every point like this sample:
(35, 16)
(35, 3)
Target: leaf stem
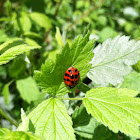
(8, 118)
(61, 98)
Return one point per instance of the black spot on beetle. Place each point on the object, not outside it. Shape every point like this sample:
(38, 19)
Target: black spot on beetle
(76, 76)
(76, 70)
(70, 71)
(72, 82)
(78, 73)
(66, 74)
(64, 79)
(68, 80)
(72, 77)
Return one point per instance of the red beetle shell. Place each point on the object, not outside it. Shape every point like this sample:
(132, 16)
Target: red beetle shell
(71, 77)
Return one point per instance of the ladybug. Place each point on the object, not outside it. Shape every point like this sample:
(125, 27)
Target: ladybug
(71, 77)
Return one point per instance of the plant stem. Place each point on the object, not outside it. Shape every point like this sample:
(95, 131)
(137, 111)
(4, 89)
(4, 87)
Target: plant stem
(8, 118)
(61, 98)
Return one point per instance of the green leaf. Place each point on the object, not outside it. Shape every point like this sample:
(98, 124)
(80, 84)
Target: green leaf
(31, 42)
(132, 81)
(137, 66)
(25, 122)
(41, 19)
(114, 109)
(6, 93)
(3, 36)
(25, 22)
(32, 35)
(17, 68)
(11, 43)
(14, 47)
(113, 60)
(83, 124)
(59, 37)
(28, 89)
(106, 33)
(3, 72)
(51, 121)
(3, 131)
(20, 135)
(78, 55)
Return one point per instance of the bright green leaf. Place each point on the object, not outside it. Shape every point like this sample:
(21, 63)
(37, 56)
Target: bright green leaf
(3, 36)
(113, 60)
(11, 43)
(114, 109)
(31, 42)
(59, 37)
(28, 89)
(132, 81)
(25, 122)
(51, 121)
(20, 135)
(41, 19)
(3, 131)
(106, 33)
(6, 93)
(14, 47)
(78, 55)
(25, 22)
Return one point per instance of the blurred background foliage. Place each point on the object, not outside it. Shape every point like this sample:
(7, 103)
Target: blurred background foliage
(35, 21)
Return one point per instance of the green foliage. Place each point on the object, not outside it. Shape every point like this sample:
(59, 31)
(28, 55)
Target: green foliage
(59, 37)
(6, 93)
(27, 24)
(84, 127)
(78, 55)
(17, 135)
(25, 122)
(51, 120)
(41, 19)
(137, 66)
(17, 68)
(3, 131)
(132, 81)
(14, 47)
(115, 109)
(113, 60)
(28, 89)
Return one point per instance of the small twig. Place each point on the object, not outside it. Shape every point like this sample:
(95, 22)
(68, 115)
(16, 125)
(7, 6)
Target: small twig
(70, 98)
(57, 8)
(1, 5)
(55, 14)
(8, 118)
(85, 14)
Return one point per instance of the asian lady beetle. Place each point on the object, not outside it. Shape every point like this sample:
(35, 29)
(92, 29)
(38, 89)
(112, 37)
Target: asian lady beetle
(71, 77)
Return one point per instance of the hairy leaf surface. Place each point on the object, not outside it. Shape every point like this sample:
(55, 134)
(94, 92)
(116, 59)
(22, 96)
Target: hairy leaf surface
(113, 60)
(115, 109)
(51, 121)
